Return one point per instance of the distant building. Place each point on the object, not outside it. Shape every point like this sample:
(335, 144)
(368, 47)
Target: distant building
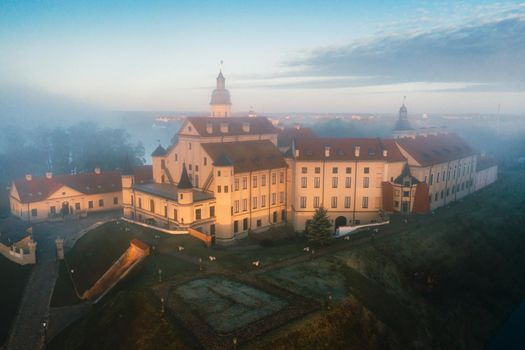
(220, 102)
(49, 197)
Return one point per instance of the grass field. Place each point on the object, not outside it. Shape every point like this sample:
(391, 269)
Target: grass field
(14, 278)
(228, 305)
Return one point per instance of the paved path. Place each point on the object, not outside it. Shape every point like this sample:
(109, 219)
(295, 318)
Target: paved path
(27, 332)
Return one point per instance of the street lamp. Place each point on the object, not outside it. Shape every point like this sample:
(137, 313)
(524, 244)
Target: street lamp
(44, 329)
(200, 264)
(234, 343)
(162, 305)
(160, 275)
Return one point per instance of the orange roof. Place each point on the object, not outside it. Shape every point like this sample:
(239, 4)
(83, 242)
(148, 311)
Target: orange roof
(247, 155)
(435, 149)
(39, 189)
(258, 125)
(343, 149)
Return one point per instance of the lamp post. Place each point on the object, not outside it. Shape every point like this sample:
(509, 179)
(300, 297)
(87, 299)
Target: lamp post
(160, 275)
(200, 264)
(162, 305)
(234, 343)
(44, 329)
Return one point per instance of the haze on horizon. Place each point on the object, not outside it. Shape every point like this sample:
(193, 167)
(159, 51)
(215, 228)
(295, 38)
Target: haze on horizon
(448, 57)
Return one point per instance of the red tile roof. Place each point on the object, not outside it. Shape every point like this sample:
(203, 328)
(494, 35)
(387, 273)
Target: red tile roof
(435, 149)
(285, 136)
(39, 189)
(343, 149)
(247, 155)
(258, 125)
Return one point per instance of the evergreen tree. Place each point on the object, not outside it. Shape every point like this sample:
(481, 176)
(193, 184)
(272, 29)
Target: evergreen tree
(319, 230)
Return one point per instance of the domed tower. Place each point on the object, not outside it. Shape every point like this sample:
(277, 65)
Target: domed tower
(402, 125)
(220, 98)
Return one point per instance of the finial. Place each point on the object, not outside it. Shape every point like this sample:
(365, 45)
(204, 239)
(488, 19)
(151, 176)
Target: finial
(220, 66)
(404, 99)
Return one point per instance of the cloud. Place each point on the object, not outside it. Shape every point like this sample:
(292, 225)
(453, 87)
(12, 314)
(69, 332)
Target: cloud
(488, 55)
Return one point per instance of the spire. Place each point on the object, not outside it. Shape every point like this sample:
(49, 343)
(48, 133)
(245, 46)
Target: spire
(184, 182)
(402, 122)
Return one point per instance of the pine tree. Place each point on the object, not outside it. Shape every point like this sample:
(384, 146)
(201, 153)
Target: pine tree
(319, 229)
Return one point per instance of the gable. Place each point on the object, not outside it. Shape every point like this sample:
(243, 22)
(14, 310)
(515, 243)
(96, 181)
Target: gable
(14, 193)
(188, 129)
(63, 192)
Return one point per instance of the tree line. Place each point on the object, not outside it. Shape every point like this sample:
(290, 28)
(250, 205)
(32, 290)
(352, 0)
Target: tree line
(76, 149)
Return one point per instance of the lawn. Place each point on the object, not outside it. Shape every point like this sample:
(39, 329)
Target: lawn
(228, 305)
(14, 279)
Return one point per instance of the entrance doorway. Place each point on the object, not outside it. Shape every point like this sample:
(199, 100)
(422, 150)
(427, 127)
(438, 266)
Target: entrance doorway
(340, 221)
(65, 208)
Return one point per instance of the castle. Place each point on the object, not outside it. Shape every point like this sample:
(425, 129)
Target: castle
(227, 176)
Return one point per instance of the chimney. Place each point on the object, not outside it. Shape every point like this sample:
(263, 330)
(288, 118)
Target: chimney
(246, 127)
(385, 153)
(224, 128)
(49, 175)
(29, 177)
(97, 171)
(327, 151)
(356, 150)
(209, 128)
(297, 126)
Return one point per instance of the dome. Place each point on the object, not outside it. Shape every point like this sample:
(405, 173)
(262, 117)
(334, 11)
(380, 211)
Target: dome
(220, 96)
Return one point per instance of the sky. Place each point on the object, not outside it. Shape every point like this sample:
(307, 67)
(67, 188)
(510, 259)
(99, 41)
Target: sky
(279, 56)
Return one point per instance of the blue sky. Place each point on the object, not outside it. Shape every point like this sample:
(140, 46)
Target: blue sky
(297, 56)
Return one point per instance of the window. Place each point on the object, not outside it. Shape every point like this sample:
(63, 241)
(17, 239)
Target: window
(442, 194)
(334, 202)
(304, 170)
(115, 200)
(218, 173)
(259, 223)
(263, 201)
(443, 178)
(189, 145)
(176, 157)
(175, 214)
(274, 178)
(53, 210)
(219, 189)
(189, 167)
(304, 182)
(365, 202)
(101, 203)
(225, 189)
(347, 202)
(437, 177)
(431, 179)
(406, 194)
(212, 211)
(274, 198)
(235, 226)
(254, 202)
(165, 211)
(163, 163)
(77, 206)
(198, 214)
(34, 212)
(244, 183)
(132, 200)
(274, 216)
(236, 184)
(281, 177)
(366, 170)
(396, 204)
(254, 181)
(152, 205)
(140, 203)
(303, 202)
(317, 170)
(316, 202)
(283, 215)
(263, 180)
(244, 204)
(196, 167)
(348, 170)
(162, 179)
(334, 182)
(348, 182)
(281, 197)
(334, 170)
(317, 182)
(245, 224)
(236, 206)
(205, 161)
(366, 182)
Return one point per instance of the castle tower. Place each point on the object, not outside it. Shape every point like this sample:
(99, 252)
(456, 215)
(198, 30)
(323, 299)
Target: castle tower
(223, 178)
(185, 197)
(220, 98)
(402, 126)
